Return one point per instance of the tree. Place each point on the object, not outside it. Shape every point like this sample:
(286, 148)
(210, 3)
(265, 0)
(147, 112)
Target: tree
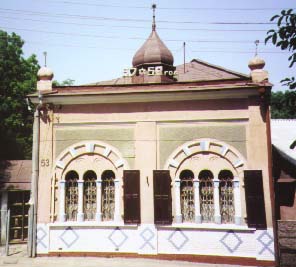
(18, 77)
(283, 105)
(285, 38)
(66, 82)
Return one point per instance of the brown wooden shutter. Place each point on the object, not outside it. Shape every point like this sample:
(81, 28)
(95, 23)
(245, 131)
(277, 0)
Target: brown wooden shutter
(162, 197)
(255, 199)
(132, 212)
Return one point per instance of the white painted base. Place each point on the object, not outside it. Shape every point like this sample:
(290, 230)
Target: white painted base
(147, 239)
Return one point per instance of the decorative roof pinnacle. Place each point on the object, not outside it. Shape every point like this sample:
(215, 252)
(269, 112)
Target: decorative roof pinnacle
(153, 21)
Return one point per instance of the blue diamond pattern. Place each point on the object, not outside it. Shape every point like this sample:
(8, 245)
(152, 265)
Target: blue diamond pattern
(265, 244)
(117, 241)
(69, 237)
(41, 234)
(228, 243)
(174, 242)
(147, 234)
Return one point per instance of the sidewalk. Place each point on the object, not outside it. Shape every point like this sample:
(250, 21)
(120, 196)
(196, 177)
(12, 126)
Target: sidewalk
(17, 257)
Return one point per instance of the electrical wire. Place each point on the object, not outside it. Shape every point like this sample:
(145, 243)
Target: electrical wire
(136, 27)
(130, 19)
(122, 38)
(161, 7)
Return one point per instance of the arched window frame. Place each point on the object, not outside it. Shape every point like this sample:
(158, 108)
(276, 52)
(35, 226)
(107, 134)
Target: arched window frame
(190, 149)
(70, 154)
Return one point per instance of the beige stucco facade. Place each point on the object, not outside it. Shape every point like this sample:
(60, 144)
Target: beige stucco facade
(146, 136)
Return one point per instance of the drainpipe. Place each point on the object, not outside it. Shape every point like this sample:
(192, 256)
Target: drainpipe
(34, 182)
(271, 179)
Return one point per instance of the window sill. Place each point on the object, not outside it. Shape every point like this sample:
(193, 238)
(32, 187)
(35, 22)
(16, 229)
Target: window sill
(208, 226)
(91, 224)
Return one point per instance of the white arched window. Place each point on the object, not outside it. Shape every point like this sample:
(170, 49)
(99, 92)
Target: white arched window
(71, 195)
(108, 195)
(187, 196)
(226, 196)
(89, 195)
(206, 194)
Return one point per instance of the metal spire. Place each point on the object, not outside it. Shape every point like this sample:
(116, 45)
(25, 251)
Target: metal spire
(256, 43)
(45, 55)
(153, 22)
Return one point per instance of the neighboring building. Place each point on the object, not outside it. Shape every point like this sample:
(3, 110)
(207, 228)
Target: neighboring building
(172, 165)
(15, 182)
(283, 133)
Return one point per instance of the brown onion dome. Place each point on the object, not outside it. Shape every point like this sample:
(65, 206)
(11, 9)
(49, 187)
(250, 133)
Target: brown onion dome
(256, 63)
(45, 73)
(153, 52)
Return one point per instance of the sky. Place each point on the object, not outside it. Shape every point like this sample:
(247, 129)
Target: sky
(95, 40)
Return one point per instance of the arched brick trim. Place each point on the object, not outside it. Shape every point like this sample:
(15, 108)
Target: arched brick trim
(105, 150)
(188, 149)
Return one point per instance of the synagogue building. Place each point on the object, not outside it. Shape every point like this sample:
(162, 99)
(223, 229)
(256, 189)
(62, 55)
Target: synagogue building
(168, 161)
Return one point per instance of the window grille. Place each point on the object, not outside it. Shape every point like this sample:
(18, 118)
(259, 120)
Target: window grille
(187, 195)
(71, 196)
(108, 195)
(206, 196)
(226, 196)
(89, 195)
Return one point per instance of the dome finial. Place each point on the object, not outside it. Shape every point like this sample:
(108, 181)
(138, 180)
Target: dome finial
(44, 75)
(256, 43)
(256, 62)
(45, 55)
(153, 22)
(256, 65)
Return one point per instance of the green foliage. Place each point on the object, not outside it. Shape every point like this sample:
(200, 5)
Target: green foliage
(67, 82)
(283, 105)
(17, 79)
(285, 38)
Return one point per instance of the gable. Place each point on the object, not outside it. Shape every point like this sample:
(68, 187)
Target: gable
(198, 70)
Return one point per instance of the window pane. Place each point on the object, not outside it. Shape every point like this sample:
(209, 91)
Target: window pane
(206, 196)
(108, 195)
(89, 195)
(187, 195)
(226, 196)
(71, 196)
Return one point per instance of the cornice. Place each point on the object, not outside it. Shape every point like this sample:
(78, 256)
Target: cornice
(133, 96)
